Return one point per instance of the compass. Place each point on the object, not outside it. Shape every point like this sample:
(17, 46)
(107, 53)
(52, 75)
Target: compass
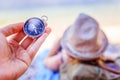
(34, 27)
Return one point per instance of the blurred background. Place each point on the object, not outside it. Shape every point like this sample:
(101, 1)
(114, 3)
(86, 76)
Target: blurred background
(62, 13)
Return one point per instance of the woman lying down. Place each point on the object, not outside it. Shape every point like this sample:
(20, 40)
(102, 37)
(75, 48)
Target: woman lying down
(80, 53)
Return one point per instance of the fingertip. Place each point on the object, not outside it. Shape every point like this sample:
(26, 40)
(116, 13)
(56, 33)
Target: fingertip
(46, 24)
(48, 30)
(19, 24)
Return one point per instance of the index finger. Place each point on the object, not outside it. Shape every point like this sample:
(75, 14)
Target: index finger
(12, 28)
(33, 48)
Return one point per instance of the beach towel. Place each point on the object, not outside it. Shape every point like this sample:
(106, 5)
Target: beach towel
(38, 71)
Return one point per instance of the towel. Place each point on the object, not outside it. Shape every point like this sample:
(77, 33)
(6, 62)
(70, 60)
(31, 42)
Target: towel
(38, 71)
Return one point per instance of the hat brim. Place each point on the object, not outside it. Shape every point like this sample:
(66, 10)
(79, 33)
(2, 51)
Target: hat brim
(103, 42)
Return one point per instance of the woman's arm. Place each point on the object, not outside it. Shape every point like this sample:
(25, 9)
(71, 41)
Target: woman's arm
(53, 60)
(55, 48)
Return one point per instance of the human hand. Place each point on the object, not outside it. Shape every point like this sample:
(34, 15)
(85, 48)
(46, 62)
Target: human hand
(16, 54)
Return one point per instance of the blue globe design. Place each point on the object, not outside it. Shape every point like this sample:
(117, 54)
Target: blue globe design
(34, 27)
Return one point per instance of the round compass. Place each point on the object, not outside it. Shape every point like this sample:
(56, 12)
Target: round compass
(34, 27)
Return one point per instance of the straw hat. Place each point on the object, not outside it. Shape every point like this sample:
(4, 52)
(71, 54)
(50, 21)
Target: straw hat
(84, 40)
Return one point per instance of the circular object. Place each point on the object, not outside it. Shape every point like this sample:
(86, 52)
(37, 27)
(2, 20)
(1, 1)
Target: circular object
(45, 18)
(34, 27)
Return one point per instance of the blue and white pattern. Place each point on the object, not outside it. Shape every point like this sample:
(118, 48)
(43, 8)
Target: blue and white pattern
(34, 27)
(38, 71)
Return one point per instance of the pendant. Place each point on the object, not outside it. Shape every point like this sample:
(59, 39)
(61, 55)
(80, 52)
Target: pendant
(34, 27)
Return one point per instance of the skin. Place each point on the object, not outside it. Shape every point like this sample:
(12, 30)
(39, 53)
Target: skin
(53, 59)
(17, 52)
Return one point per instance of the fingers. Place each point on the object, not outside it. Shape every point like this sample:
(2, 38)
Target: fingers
(34, 47)
(16, 28)
(19, 36)
(26, 42)
(11, 29)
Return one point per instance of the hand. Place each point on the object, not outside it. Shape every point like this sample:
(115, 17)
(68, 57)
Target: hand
(17, 52)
